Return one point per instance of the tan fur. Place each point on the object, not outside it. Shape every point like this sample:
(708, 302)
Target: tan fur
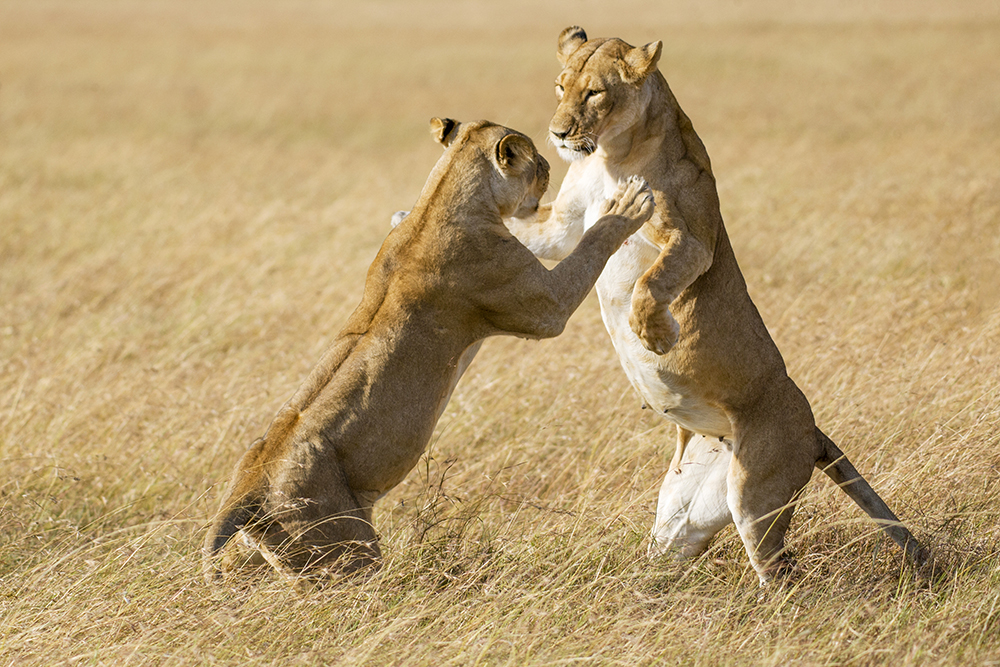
(447, 277)
(674, 299)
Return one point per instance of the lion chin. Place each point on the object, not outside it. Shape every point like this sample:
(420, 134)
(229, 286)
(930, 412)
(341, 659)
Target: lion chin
(573, 153)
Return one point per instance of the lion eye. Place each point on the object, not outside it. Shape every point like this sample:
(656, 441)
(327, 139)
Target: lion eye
(559, 91)
(593, 94)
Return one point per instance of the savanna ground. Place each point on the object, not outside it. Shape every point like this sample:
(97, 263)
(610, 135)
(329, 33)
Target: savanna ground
(190, 194)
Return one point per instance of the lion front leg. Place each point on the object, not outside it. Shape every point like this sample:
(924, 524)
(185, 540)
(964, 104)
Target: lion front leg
(551, 233)
(536, 302)
(682, 259)
(555, 229)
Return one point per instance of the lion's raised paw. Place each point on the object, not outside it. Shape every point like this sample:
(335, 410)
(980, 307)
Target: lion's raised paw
(656, 328)
(633, 200)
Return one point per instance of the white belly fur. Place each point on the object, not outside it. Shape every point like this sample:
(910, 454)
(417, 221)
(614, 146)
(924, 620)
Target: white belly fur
(647, 371)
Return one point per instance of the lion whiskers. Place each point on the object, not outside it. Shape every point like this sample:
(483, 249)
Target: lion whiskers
(576, 149)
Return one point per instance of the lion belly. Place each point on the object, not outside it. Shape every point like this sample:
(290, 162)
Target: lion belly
(649, 372)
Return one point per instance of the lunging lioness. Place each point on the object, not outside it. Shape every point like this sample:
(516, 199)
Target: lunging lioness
(447, 277)
(676, 306)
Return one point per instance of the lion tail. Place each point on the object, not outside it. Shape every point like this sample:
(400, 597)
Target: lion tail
(250, 488)
(236, 514)
(834, 463)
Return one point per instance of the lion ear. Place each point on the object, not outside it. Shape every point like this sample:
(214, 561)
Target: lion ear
(570, 39)
(514, 153)
(444, 130)
(641, 61)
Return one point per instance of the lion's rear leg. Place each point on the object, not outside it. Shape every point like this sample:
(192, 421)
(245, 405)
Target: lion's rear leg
(315, 537)
(692, 506)
(315, 520)
(773, 460)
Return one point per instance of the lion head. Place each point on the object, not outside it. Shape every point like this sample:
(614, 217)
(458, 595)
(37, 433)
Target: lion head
(601, 90)
(520, 173)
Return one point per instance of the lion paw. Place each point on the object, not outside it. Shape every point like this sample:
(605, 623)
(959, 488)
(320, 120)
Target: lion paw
(633, 200)
(653, 324)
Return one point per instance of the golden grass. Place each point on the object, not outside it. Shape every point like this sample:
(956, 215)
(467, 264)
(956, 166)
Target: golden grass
(190, 194)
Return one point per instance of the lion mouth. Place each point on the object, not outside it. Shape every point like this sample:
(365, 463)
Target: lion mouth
(573, 149)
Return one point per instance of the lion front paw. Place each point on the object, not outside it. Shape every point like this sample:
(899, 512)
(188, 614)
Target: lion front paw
(653, 324)
(633, 200)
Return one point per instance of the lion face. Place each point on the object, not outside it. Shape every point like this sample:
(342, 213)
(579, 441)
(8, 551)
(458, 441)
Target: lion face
(600, 90)
(520, 176)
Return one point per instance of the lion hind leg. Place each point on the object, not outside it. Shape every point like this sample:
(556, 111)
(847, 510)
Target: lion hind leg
(837, 467)
(771, 464)
(692, 506)
(316, 521)
(318, 541)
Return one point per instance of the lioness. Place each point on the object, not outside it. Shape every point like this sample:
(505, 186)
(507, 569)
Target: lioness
(676, 306)
(445, 279)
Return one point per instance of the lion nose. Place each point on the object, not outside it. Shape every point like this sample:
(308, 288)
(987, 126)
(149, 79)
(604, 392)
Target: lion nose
(559, 135)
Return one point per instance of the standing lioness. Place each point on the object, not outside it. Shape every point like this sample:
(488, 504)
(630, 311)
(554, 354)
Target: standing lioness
(445, 279)
(676, 306)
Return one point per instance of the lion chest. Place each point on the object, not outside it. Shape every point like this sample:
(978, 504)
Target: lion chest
(653, 376)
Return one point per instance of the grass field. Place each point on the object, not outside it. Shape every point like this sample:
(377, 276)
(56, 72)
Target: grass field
(191, 193)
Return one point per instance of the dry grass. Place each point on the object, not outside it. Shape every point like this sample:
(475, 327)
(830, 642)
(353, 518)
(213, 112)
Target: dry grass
(190, 194)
